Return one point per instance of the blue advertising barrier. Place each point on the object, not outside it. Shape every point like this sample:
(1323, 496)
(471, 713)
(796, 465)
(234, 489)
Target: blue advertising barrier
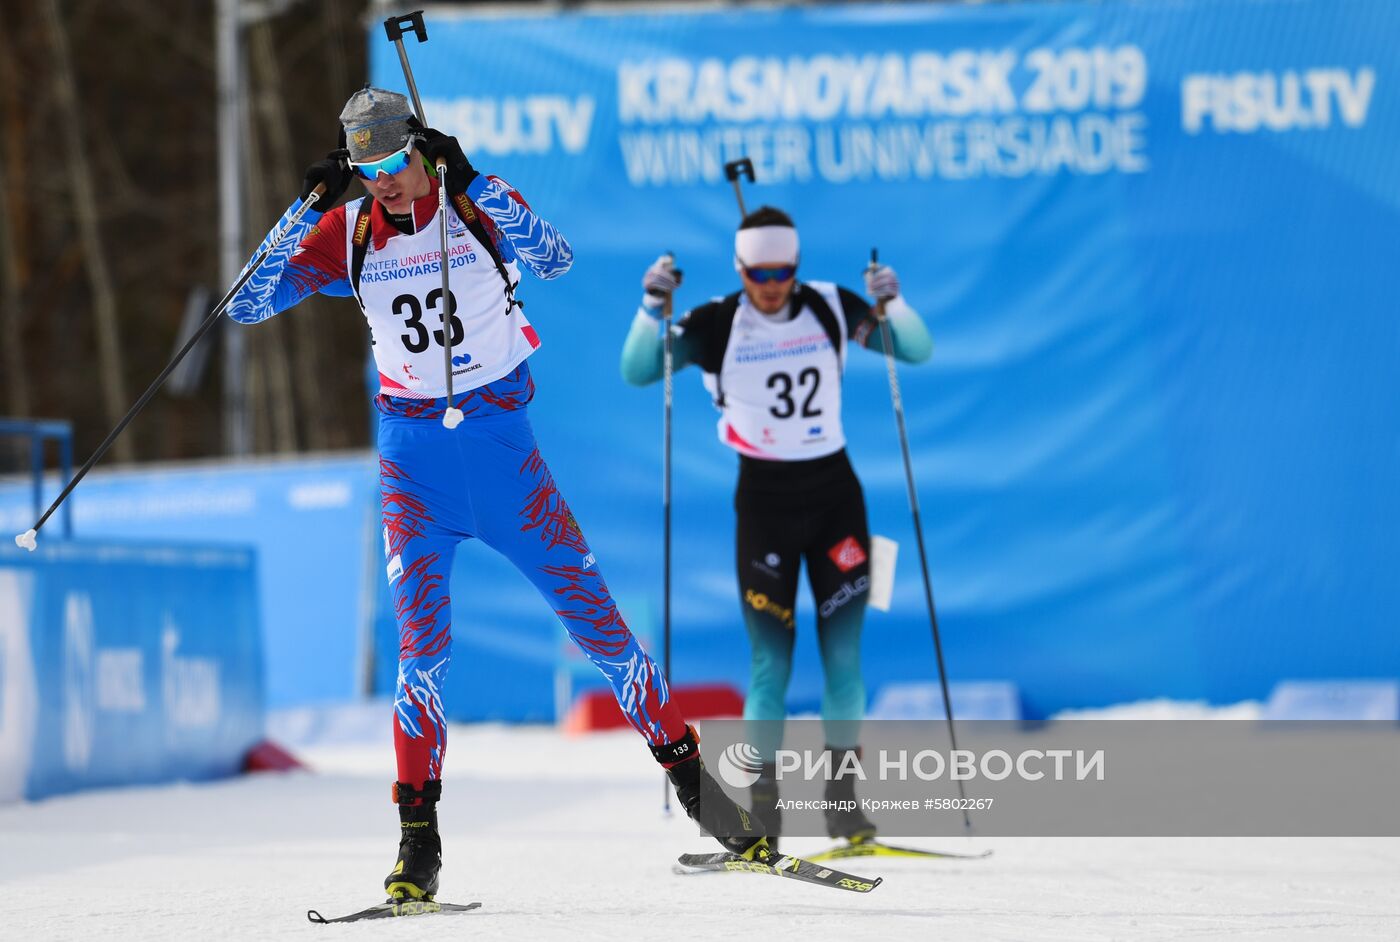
(1155, 443)
(124, 664)
(312, 522)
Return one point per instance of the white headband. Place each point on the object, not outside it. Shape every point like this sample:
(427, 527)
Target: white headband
(765, 245)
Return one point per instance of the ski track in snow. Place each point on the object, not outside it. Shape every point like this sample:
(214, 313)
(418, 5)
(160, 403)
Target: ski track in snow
(564, 838)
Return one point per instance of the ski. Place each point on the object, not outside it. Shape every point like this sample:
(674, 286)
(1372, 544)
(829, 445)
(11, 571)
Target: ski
(877, 849)
(393, 908)
(783, 865)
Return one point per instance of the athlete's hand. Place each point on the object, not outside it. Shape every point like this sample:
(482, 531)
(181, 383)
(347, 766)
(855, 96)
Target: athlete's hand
(881, 283)
(659, 281)
(334, 171)
(435, 145)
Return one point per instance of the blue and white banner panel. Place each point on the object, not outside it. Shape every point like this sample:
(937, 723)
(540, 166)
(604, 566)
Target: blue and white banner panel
(313, 522)
(1155, 445)
(124, 664)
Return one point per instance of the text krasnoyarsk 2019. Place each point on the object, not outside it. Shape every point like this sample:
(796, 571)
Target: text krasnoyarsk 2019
(930, 765)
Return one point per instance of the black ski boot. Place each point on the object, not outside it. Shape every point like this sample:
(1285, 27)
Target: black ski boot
(764, 804)
(845, 820)
(705, 803)
(415, 875)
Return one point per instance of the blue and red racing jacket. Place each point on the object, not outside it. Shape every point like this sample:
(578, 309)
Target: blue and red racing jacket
(400, 284)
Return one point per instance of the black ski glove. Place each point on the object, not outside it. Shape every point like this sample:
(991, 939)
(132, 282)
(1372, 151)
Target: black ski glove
(433, 144)
(334, 171)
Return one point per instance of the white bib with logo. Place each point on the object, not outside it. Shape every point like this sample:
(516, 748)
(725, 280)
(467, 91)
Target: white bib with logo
(401, 291)
(779, 387)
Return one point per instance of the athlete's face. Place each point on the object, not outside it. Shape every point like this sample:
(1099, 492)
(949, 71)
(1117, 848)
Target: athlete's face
(768, 295)
(397, 192)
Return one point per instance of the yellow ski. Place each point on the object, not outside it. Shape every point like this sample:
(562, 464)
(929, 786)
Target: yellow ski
(869, 848)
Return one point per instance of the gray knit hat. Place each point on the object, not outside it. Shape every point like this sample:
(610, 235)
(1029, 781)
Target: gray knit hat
(375, 122)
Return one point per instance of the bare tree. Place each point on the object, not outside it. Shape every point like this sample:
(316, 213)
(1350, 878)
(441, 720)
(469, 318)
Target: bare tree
(268, 102)
(270, 387)
(11, 300)
(84, 201)
(11, 313)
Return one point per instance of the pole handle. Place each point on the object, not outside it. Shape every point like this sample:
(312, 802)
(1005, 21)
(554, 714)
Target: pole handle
(396, 26)
(743, 167)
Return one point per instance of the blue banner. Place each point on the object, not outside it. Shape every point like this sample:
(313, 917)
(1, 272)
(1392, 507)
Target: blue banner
(126, 664)
(313, 522)
(1155, 444)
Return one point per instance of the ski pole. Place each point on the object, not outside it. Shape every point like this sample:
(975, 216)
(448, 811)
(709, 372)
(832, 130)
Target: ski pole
(733, 172)
(394, 28)
(887, 343)
(667, 368)
(668, 398)
(29, 538)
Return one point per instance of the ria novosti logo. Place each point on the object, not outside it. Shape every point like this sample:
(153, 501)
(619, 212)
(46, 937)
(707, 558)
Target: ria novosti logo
(740, 765)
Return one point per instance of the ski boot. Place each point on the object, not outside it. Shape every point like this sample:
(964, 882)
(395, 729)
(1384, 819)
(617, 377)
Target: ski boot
(705, 803)
(415, 875)
(764, 804)
(847, 823)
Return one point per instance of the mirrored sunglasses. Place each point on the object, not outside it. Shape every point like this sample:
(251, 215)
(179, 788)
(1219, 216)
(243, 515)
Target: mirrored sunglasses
(770, 273)
(395, 163)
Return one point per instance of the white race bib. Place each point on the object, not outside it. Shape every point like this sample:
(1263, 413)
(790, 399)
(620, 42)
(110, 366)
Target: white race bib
(781, 384)
(401, 290)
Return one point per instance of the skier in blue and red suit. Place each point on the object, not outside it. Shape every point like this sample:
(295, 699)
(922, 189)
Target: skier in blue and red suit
(485, 478)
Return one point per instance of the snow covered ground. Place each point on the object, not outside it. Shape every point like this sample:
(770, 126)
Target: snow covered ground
(563, 838)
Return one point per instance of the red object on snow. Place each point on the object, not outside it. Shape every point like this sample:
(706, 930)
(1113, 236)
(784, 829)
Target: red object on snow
(267, 756)
(598, 709)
